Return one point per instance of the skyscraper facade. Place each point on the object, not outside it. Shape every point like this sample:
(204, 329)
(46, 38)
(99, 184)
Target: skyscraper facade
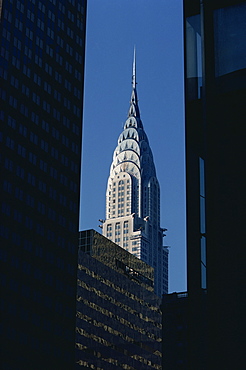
(118, 315)
(174, 333)
(215, 82)
(42, 73)
(133, 197)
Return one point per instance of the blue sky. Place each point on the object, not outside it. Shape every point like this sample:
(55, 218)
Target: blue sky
(155, 28)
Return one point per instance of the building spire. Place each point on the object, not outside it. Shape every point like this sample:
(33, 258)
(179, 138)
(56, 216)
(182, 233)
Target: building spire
(134, 69)
(134, 110)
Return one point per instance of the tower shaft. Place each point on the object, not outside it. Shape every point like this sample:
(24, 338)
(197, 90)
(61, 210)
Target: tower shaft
(133, 196)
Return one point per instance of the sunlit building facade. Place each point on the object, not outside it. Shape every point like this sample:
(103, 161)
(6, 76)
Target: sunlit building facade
(42, 76)
(119, 320)
(133, 197)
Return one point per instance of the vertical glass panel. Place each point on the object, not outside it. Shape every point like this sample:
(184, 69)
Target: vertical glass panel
(203, 277)
(202, 177)
(229, 39)
(203, 251)
(193, 57)
(202, 196)
(202, 215)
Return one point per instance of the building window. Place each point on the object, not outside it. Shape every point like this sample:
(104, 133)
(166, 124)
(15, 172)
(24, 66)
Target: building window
(31, 179)
(194, 59)
(14, 82)
(13, 101)
(35, 118)
(45, 126)
(60, 41)
(44, 145)
(37, 79)
(26, 71)
(58, 78)
(21, 151)
(229, 36)
(10, 143)
(33, 138)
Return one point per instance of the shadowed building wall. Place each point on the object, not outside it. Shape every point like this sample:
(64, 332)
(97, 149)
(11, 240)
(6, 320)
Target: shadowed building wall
(42, 74)
(215, 81)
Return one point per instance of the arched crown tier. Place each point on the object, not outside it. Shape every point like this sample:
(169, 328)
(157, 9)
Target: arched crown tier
(133, 155)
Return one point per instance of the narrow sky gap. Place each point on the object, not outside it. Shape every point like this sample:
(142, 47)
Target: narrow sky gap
(111, 36)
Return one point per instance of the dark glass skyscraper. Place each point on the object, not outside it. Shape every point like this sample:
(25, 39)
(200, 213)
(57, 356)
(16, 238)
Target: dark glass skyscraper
(42, 73)
(118, 314)
(215, 79)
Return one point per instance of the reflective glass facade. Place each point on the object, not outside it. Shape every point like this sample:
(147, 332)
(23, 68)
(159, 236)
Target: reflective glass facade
(118, 314)
(215, 82)
(42, 72)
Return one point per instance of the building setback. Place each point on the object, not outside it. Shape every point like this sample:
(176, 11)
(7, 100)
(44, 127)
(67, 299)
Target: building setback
(118, 314)
(215, 82)
(42, 73)
(133, 197)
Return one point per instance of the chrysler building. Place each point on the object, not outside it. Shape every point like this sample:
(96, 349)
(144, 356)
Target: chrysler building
(133, 197)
